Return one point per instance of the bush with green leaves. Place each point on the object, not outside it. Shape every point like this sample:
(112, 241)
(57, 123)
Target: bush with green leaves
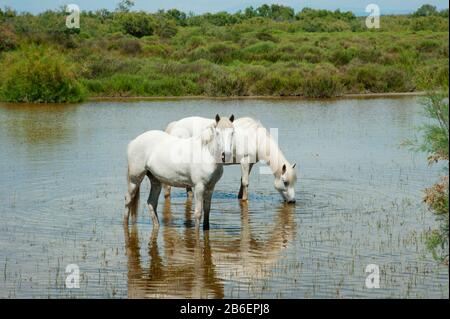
(39, 75)
(322, 83)
(8, 39)
(137, 24)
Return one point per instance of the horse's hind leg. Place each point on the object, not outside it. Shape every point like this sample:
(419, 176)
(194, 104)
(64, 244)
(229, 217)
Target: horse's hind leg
(189, 193)
(166, 191)
(245, 171)
(132, 198)
(153, 197)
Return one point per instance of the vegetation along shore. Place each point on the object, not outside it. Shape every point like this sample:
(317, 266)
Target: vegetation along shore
(268, 51)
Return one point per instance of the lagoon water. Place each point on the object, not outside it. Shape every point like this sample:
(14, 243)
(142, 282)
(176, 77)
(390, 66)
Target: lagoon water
(359, 202)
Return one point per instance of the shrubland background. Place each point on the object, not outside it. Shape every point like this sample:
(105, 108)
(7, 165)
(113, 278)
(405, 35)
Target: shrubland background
(270, 51)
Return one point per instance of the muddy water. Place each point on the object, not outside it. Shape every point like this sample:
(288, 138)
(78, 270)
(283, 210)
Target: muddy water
(62, 173)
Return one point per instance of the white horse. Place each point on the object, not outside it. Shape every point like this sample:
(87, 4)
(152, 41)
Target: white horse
(195, 162)
(252, 144)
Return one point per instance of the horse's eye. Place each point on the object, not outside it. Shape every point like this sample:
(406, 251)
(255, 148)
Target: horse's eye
(286, 184)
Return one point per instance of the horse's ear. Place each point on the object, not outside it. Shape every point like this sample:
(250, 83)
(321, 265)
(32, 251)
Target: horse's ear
(232, 118)
(293, 166)
(217, 118)
(283, 170)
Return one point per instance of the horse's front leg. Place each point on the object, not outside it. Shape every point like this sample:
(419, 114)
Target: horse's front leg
(152, 201)
(245, 171)
(199, 189)
(206, 207)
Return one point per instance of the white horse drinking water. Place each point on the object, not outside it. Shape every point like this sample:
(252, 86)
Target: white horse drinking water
(252, 144)
(195, 162)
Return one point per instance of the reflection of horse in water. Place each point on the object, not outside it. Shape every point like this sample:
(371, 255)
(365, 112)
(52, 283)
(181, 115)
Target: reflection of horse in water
(250, 259)
(189, 266)
(186, 270)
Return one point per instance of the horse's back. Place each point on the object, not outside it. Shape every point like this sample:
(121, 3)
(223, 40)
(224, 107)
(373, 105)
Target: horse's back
(188, 126)
(139, 148)
(146, 138)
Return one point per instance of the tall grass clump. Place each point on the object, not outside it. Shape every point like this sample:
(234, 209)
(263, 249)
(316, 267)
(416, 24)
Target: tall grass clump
(39, 75)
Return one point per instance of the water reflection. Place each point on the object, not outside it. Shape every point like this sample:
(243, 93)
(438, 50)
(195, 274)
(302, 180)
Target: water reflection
(184, 271)
(39, 123)
(249, 257)
(193, 265)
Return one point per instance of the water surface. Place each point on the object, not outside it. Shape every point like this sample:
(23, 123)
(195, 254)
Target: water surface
(62, 173)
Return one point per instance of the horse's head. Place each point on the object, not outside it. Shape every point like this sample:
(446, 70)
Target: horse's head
(285, 182)
(223, 135)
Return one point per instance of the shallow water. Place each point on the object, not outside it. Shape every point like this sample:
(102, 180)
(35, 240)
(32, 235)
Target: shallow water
(62, 173)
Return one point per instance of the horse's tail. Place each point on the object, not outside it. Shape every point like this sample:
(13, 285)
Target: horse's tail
(134, 200)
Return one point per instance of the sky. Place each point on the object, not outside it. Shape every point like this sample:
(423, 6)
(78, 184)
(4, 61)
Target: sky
(202, 6)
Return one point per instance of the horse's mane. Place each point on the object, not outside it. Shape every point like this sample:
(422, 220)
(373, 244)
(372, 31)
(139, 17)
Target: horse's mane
(248, 122)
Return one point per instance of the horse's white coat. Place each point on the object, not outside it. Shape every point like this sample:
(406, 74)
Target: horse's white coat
(253, 143)
(192, 163)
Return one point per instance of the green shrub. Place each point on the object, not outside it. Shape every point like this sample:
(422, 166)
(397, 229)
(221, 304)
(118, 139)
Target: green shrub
(264, 35)
(224, 83)
(426, 10)
(38, 74)
(195, 42)
(99, 66)
(368, 77)
(341, 56)
(137, 24)
(310, 54)
(8, 39)
(139, 85)
(264, 50)
(260, 48)
(200, 53)
(221, 52)
(397, 80)
(271, 84)
(130, 46)
(428, 45)
(378, 78)
(165, 29)
(322, 84)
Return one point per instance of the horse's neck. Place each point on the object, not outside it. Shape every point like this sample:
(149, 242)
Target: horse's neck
(269, 152)
(209, 147)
